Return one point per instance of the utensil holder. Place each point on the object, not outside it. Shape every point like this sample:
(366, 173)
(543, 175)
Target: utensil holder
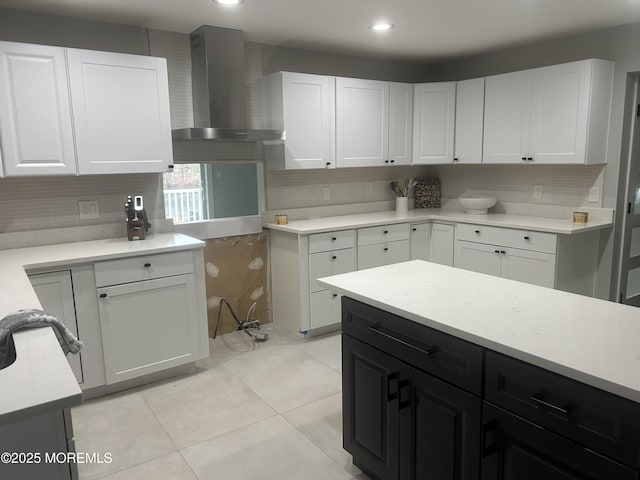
(402, 205)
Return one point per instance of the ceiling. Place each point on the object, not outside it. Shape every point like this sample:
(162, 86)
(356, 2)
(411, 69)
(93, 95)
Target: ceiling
(425, 29)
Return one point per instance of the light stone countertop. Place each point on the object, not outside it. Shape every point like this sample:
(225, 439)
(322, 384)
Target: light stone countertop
(587, 339)
(539, 224)
(40, 379)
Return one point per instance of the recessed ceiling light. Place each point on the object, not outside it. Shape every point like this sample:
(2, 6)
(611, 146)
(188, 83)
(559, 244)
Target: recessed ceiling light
(228, 2)
(381, 26)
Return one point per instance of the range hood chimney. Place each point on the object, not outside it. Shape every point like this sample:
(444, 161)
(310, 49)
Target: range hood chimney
(219, 99)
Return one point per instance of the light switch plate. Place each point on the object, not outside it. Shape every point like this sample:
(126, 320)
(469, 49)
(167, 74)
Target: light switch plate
(326, 193)
(88, 210)
(594, 194)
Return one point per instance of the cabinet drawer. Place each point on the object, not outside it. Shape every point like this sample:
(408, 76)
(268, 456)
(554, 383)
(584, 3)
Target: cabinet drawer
(387, 253)
(323, 264)
(325, 309)
(598, 420)
(383, 233)
(135, 269)
(508, 237)
(451, 359)
(322, 242)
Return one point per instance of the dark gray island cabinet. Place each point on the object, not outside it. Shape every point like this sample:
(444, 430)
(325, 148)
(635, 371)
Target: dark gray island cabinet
(422, 404)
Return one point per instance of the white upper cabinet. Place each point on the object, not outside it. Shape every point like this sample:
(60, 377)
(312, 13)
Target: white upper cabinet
(35, 116)
(303, 105)
(469, 121)
(555, 115)
(570, 112)
(362, 119)
(433, 123)
(400, 123)
(507, 116)
(121, 112)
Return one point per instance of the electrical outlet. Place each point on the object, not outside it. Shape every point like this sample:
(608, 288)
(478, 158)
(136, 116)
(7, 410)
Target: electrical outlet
(537, 192)
(326, 193)
(368, 189)
(594, 194)
(88, 210)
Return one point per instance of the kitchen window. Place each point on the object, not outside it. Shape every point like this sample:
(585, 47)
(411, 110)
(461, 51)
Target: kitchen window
(215, 199)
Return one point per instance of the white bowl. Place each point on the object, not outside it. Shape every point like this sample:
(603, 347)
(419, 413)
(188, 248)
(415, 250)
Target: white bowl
(477, 205)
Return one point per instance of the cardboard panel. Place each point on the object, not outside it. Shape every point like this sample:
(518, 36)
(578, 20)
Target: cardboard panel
(236, 268)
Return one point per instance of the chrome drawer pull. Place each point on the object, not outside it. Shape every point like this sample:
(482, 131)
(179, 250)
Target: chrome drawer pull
(539, 399)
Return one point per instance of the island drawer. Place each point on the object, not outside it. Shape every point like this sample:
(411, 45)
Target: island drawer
(383, 233)
(451, 359)
(147, 267)
(323, 242)
(594, 418)
(508, 237)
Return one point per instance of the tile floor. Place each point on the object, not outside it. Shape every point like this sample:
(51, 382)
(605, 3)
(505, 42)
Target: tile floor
(269, 410)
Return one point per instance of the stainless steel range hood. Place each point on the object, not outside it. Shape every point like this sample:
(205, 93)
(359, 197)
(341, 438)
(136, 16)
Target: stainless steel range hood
(219, 102)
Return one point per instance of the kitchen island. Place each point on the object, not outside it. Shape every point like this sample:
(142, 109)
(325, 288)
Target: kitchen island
(471, 376)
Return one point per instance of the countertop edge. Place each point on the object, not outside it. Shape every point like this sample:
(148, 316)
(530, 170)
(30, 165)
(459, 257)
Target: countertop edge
(345, 222)
(567, 371)
(57, 385)
(39, 354)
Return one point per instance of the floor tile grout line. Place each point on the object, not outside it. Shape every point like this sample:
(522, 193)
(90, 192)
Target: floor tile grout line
(314, 443)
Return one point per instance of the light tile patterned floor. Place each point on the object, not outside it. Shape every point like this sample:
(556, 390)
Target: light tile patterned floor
(269, 410)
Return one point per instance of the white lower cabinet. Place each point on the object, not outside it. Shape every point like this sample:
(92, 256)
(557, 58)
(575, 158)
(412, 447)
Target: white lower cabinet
(537, 268)
(147, 326)
(529, 257)
(383, 245)
(432, 242)
(151, 324)
(135, 315)
(325, 305)
(55, 293)
(377, 255)
(325, 309)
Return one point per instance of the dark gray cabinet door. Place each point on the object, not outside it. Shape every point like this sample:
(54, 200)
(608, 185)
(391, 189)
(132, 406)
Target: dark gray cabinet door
(440, 427)
(515, 449)
(370, 384)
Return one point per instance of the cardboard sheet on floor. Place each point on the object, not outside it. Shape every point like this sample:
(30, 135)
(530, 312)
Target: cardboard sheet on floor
(236, 268)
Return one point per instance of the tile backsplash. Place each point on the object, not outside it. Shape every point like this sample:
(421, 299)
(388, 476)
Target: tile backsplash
(38, 203)
(563, 185)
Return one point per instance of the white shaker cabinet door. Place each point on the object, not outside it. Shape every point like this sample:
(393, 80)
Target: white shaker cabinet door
(362, 122)
(526, 266)
(560, 113)
(442, 238)
(478, 257)
(35, 114)
(121, 112)
(55, 293)
(420, 241)
(507, 117)
(325, 309)
(469, 121)
(400, 123)
(308, 111)
(148, 326)
(433, 122)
